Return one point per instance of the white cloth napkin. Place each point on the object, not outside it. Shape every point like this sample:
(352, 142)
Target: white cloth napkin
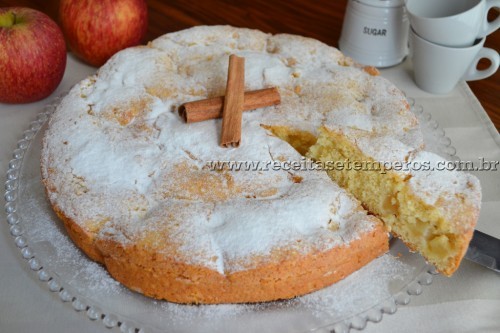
(467, 302)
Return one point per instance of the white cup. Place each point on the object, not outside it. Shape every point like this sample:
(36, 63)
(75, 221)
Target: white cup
(437, 69)
(452, 22)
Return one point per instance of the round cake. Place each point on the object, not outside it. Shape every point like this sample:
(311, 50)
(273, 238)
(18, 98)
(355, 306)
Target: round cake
(137, 190)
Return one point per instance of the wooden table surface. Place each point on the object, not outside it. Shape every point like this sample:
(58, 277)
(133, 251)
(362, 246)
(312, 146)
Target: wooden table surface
(320, 19)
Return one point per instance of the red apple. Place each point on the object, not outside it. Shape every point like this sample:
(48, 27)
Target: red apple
(97, 29)
(32, 55)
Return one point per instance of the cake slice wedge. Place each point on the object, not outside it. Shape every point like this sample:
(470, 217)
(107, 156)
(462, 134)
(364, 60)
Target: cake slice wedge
(432, 209)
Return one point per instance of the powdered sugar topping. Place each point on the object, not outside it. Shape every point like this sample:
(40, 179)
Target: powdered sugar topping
(134, 168)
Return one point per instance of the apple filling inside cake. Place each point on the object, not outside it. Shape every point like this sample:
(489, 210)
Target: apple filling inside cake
(439, 230)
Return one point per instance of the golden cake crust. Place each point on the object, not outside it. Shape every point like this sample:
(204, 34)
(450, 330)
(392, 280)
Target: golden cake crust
(158, 275)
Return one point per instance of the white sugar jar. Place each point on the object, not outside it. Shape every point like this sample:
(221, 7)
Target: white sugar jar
(375, 32)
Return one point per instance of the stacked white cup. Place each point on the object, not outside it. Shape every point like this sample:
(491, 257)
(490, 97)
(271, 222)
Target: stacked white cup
(446, 42)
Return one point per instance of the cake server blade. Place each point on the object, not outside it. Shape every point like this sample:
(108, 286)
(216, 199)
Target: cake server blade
(484, 250)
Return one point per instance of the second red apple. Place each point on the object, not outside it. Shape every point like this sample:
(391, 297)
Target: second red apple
(97, 29)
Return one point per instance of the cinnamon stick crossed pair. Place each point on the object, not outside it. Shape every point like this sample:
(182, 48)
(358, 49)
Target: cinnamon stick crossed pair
(230, 106)
(211, 108)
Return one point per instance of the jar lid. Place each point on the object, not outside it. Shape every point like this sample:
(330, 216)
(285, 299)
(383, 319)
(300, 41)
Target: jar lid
(383, 3)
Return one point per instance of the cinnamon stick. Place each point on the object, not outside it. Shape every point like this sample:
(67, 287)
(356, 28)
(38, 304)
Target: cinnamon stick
(232, 110)
(211, 108)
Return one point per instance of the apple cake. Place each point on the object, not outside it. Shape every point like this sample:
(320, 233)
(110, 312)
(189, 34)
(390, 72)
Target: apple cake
(137, 190)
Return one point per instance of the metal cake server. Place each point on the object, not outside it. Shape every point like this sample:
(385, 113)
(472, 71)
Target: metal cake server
(484, 250)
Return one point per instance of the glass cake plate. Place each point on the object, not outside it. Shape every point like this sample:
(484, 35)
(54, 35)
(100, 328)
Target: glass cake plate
(376, 289)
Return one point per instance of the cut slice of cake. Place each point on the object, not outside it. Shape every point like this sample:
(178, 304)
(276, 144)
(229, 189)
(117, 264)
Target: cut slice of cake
(431, 209)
